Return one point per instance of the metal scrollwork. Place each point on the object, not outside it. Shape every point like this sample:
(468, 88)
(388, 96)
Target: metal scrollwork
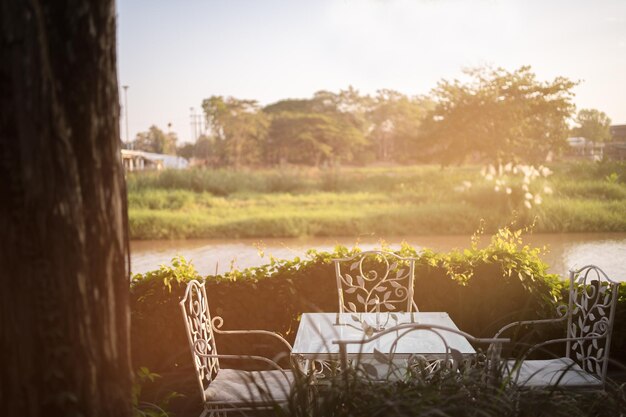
(200, 332)
(562, 311)
(592, 297)
(375, 281)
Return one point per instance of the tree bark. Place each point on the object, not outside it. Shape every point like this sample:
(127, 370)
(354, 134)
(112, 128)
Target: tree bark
(64, 260)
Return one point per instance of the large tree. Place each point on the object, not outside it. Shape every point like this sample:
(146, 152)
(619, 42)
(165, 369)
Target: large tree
(499, 116)
(327, 128)
(156, 140)
(396, 125)
(239, 128)
(304, 138)
(64, 262)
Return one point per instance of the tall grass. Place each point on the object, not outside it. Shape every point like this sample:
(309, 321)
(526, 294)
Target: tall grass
(453, 394)
(354, 201)
(223, 182)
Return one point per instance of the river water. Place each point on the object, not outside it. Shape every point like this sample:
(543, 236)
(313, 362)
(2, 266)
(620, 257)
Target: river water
(565, 251)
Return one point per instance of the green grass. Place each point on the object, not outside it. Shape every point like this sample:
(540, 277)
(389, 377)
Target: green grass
(469, 393)
(355, 201)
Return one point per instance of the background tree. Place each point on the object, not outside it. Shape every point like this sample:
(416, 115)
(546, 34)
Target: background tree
(239, 127)
(155, 140)
(64, 314)
(499, 116)
(593, 125)
(186, 150)
(302, 138)
(395, 126)
(206, 151)
(329, 128)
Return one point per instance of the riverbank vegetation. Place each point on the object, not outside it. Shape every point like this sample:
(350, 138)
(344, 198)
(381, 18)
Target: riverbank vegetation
(381, 201)
(344, 164)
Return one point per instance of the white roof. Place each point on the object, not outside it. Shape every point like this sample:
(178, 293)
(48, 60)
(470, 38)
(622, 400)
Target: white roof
(169, 161)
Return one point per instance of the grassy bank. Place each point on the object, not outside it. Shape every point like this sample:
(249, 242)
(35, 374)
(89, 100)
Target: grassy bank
(384, 201)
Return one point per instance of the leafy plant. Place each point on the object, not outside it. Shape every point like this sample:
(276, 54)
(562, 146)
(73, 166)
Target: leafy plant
(612, 178)
(181, 271)
(148, 409)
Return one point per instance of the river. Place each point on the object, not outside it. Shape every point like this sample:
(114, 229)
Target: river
(565, 251)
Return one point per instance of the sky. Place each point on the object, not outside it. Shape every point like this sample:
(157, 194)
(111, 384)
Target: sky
(173, 54)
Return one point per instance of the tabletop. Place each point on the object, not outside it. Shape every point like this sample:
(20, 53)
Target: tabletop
(317, 331)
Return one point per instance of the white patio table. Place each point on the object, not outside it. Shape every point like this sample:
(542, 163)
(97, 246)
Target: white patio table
(317, 331)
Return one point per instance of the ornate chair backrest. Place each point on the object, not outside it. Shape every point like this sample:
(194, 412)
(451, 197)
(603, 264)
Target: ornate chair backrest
(195, 308)
(591, 313)
(375, 280)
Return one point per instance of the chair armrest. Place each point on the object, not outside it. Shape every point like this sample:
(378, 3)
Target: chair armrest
(217, 323)
(561, 340)
(267, 361)
(525, 322)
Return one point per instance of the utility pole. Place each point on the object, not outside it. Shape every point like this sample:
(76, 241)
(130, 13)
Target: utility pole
(199, 124)
(193, 124)
(125, 87)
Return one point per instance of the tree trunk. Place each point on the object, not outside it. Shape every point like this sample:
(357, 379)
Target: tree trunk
(64, 261)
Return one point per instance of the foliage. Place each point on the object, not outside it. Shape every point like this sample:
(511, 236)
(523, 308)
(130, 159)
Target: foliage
(495, 116)
(155, 140)
(388, 201)
(499, 116)
(595, 170)
(325, 129)
(441, 393)
(396, 122)
(207, 150)
(239, 128)
(311, 139)
(143, 408)
(593, 125)
(186, 150)
(180, 272)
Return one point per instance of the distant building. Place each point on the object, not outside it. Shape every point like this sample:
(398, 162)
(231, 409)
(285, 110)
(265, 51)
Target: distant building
(616, 148)
(140, 160)
(582, 148)
(618, 133)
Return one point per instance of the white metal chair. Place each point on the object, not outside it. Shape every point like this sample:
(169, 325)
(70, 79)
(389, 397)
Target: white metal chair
(228, 390)
(590, 314)
(396, 366)
(375, 281)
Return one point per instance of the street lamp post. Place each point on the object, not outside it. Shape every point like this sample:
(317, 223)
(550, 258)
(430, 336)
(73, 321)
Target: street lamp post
(125, 87)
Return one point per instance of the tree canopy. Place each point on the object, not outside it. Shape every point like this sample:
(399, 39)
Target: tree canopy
(395, 125)
(319, 130)
(239, 128)
(155, 140)
(593, 125)
(493, 115)
(499, 116)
